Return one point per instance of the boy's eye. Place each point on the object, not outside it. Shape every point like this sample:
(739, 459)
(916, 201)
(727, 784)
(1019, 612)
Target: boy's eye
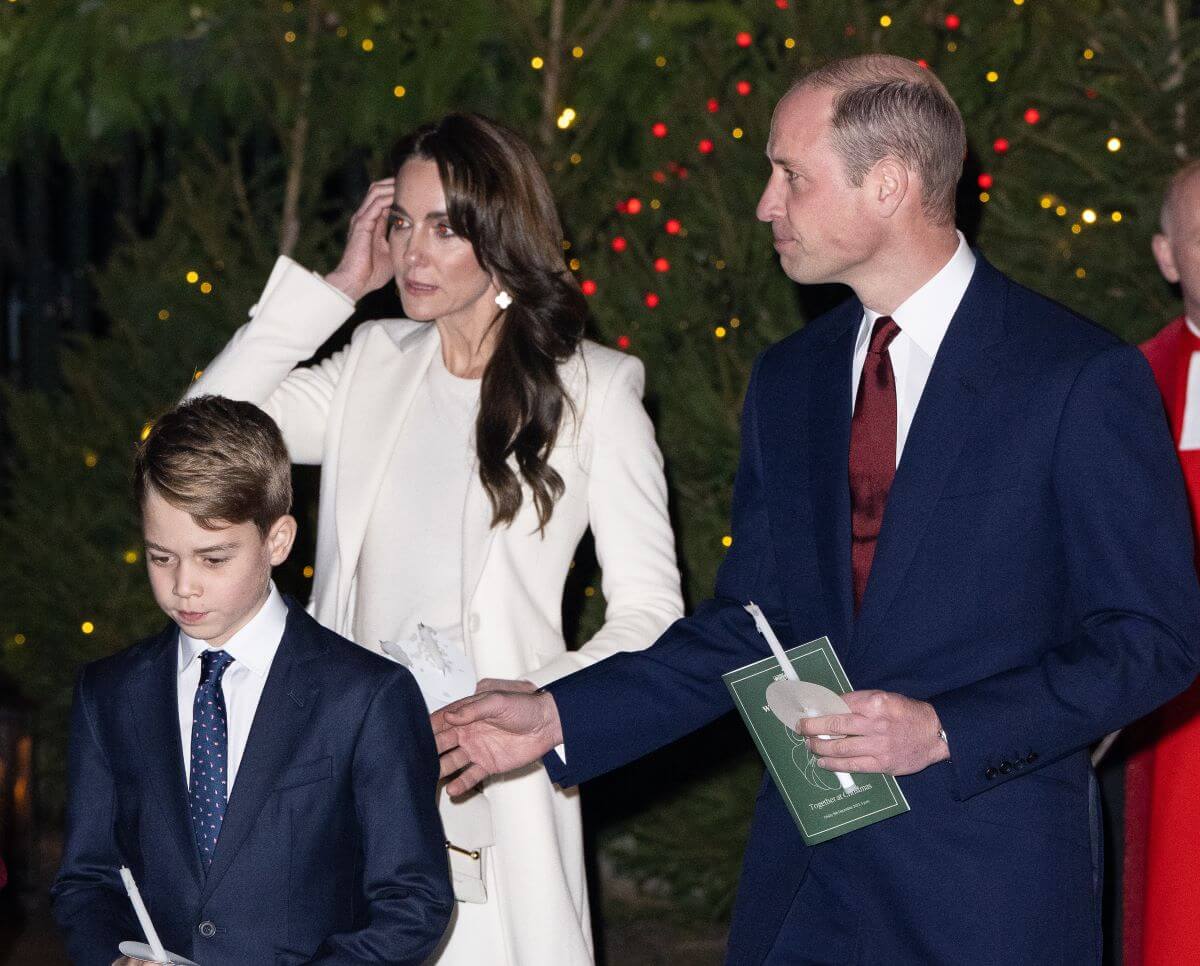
(216, 561)
(156, 559)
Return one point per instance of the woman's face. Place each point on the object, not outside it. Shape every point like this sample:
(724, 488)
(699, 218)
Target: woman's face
(437, 274)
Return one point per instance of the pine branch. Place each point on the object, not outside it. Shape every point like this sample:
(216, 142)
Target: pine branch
(289, 228)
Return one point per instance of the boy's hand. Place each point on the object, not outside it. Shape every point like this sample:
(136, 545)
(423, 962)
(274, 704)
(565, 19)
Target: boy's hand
(366, 263)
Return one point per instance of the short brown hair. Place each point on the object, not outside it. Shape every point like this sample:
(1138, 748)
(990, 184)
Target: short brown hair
(889, 106)
(221, 460)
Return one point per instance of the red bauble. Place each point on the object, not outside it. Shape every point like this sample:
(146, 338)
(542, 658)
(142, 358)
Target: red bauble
(672, 226)
(781, 4)
(743, 88)
(619, 244)
(588, 287)
(662, 265)
(622, 342)
(923, 63)
(658, 129)
(713, 106)
(633, 206)
(744, 39)
(953, 21)
(704, 147)
(659, 177)
(651, 300)
(985, 181)
(1033, 115)
(1000, 145)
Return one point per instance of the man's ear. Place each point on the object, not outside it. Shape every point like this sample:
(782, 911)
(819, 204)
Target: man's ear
(280, 538)
(891, 182)
(1164, 254)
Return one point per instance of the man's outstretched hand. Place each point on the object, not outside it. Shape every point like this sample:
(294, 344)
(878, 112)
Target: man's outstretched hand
(493, 732)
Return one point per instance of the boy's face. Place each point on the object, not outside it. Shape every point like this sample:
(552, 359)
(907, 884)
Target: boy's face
(210, 582)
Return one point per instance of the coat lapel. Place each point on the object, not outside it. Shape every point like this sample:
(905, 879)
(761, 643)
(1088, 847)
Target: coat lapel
(152, 709)
(385, 381)
(962, 370)
(828, 466)
(477, 534)
(287, 701)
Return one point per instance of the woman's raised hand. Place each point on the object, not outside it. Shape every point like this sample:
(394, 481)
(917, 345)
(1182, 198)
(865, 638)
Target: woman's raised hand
(366, 264)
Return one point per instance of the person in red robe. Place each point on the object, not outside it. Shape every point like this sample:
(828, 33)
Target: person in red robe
(1162, 780)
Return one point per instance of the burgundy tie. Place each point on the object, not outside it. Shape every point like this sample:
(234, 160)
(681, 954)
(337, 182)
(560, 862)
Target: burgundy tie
(872, 452)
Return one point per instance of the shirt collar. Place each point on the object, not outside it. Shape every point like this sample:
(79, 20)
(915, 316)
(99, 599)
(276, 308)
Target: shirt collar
(925, 315)
(1192, 326)
(254, 646)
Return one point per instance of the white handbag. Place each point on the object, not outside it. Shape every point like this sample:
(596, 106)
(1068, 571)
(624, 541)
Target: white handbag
(468, 826)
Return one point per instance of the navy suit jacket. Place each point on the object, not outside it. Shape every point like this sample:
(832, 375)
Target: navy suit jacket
(331, 850)
(1033, 580)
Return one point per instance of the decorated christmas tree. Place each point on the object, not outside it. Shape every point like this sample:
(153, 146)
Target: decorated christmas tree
(216, 135)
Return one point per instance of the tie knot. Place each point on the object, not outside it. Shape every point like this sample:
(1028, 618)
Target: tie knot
(212, 666)
(882, 334)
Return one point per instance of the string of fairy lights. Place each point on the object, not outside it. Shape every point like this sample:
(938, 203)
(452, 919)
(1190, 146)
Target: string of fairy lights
(632, 207)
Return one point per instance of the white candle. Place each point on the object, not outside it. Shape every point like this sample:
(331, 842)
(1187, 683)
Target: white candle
(845, 779)
(143, 916)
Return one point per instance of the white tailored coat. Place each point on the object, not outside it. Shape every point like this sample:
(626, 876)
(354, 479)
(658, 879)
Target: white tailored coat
(345, 413)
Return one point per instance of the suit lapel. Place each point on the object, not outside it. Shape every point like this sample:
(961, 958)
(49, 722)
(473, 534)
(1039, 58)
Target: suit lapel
(385, 381)
(152, 711)
(828, 466)
(286, 703)
(962, 371)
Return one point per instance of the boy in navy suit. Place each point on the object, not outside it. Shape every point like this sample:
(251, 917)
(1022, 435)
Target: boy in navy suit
(270, 784)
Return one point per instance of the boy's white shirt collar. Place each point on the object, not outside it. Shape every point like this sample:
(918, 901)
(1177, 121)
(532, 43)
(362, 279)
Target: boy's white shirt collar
(254, 646)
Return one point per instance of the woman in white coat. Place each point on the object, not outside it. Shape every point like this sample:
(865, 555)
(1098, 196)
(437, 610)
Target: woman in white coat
(464, 452)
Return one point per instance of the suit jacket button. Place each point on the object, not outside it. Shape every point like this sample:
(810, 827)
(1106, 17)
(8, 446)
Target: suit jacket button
(1005, 767)
(207, 929)
(990, 774)
(1031, 758)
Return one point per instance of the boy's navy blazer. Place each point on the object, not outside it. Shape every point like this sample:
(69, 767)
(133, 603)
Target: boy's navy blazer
(331, 849)
(1034, 580)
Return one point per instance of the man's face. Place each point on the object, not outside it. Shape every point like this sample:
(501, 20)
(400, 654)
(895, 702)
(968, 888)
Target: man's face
(1177, 249)
(820, 222)
(210, 582)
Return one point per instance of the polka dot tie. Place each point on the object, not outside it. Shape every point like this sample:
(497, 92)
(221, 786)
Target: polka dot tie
(209, 750)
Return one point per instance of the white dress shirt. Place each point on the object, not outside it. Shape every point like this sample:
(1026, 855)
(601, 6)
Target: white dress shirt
(1189, 435)
(252, 649)
(923, 319)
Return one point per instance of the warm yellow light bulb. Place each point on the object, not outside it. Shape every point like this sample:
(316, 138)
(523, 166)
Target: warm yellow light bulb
(575, 264)
(1076, 228)
(87, 627)
(789, 43)
(1046, 201)
(737, 133)
(368, 45)
(577, 52)
(192, 277)
(1113, 144)
(566, 118)
(992, 76)
(720, 332)
(1061, 211)
(734, 322)
(660, 61)
(308, 571)
(885, 21)
(537, 63)
(984, 197)
(1117, 216)
(206, 287)
(19, 639)
(576, 158)
(1088, 216)
(399, 90)
(290, 37)
(163, 315)
(1088, 54)
(90, 459)
(727, 541)
(1080, 273)
(131, 556)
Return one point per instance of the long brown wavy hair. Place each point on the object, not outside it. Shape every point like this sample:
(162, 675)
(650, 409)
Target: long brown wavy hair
(498, 199)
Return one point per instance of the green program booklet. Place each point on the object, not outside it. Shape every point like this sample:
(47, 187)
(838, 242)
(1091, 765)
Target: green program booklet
(822, 808)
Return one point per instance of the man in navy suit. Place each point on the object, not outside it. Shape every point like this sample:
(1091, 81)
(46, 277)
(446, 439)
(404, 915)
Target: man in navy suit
(1001, 471)
(270, 784)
